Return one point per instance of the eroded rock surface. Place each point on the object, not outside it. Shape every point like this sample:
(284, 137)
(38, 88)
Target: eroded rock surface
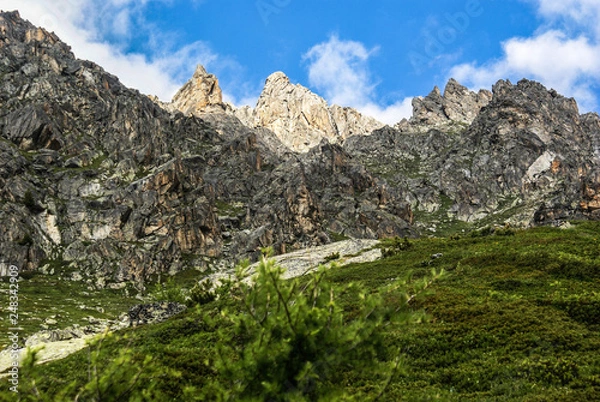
(527, 157)
(102, 184)
(201, 94)
(298, 117)
(457, 107)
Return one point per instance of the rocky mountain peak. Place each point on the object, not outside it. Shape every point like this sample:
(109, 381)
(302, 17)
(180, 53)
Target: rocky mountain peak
(200, 94)
(435, 92)
(276, 77)
(300, 118)
(462, 105)
(16, 30)
(457, 105)
(527, 91)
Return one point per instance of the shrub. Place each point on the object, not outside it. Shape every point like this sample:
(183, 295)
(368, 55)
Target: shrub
(550, 371)
(395, 246)
(289, 340)
(169, 291)
(483, 232)
(30, 202)
(202, 293)
(506, 231)
(127, 377)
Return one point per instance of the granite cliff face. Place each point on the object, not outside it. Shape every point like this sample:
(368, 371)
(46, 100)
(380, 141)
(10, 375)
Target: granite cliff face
(527, 157)
(102, 184)
(99, 183)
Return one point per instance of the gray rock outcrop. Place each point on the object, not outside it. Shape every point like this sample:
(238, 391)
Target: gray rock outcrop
(528, 157)
(456, 107)
(100, 183)
(152, 313)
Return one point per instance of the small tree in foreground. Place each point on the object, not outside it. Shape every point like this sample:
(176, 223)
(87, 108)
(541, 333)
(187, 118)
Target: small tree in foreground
(291, 339)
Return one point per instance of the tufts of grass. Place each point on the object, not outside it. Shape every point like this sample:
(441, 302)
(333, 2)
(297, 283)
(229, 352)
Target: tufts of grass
(68, 302)
(515, 319)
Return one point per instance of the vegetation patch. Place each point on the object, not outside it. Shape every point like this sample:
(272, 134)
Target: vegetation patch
(43, 297)
(514, 319)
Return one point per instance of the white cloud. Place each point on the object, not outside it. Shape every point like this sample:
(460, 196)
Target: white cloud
(83, 23)
(564, 54)
(391, 114)
(585, 13)
(340, 70)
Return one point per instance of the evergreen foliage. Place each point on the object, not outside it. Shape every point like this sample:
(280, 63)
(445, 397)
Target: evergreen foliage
(290, 339)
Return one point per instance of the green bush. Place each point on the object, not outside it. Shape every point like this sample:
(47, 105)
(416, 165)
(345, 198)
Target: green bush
(202, 293)
(550, 371)
(483, 232)
(169, 291)
(290, 339)
(29, 201)
(506, 231)
(126, 377)
(395, 246)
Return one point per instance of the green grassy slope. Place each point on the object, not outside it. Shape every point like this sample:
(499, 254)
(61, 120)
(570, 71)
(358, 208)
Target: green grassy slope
(517, 318)
(65, 301)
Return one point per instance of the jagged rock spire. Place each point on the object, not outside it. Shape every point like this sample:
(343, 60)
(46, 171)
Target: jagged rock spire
(456, 105)
(199, 94)
(302, 119)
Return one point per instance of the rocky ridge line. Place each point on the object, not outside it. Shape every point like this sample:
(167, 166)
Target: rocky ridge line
(100, 184)
(457, 107)
(528, 157)
(299, 118)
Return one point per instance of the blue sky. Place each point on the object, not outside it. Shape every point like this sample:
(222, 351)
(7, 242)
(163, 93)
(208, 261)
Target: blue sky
(373, 55)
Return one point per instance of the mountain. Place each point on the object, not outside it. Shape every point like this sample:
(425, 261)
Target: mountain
(299, 118)
(200, 94)
(101, 183)
(527, 157)
(457, 105)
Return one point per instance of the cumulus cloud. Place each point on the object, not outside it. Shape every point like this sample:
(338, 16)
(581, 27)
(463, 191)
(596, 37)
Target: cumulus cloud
(339, 69)
(391, 114)
(585, 13)
(564, 54)
(85, 24)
